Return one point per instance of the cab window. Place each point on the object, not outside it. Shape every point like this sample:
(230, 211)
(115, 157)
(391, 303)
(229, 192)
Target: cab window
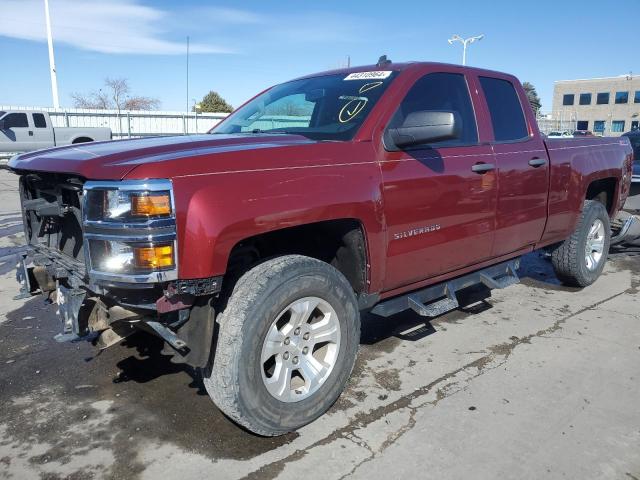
(438, 92)
(16, 120)
(507, 116)
(39, 120)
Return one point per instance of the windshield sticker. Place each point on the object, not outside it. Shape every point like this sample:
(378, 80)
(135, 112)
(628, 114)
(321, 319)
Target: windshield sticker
(377, 75)
(351, 109)
(351, 97)
(369, 86)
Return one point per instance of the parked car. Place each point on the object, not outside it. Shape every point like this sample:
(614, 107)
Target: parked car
(559, 134)
(634, 138)
(252, 250)
(28, 130)
(582, 133)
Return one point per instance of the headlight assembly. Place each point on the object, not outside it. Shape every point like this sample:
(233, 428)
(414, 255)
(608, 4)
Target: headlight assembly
(130, 258)
(130, 231)
(118, 205)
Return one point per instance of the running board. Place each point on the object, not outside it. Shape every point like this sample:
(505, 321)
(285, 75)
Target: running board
(441, 298)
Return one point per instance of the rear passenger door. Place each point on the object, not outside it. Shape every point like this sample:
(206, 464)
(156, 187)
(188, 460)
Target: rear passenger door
(16, 135)
(522, 166)
(439, 206)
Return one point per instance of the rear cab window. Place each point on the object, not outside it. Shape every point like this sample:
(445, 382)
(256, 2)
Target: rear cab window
(39, 121)
(505, 109)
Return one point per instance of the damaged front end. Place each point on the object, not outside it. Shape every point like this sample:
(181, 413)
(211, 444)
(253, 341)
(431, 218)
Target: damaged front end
(106, 254)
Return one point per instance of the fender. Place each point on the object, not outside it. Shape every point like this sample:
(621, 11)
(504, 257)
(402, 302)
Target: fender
(216, 211)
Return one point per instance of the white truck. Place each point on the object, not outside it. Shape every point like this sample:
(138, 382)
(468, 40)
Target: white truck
(27, 130)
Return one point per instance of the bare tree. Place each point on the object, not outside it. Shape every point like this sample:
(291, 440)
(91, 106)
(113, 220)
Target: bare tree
(97, 100)
(114, 96)
(118, 89)
(142, 103)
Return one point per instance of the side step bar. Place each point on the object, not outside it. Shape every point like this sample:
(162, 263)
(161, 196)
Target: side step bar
(441, 298)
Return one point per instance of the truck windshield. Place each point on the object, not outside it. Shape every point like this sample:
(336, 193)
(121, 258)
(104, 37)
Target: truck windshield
(330, 107)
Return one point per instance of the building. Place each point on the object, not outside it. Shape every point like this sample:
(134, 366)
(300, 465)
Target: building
(606, 106)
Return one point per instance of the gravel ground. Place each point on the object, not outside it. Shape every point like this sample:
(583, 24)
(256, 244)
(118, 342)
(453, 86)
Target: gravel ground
(537, 381)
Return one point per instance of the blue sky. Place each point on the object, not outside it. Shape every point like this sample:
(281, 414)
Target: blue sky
(240, 48)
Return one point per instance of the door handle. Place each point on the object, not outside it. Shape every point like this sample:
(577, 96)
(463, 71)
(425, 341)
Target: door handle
(30, 133)
(537, 162)
(483, 167)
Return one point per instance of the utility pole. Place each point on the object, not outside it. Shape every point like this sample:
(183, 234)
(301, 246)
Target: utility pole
(465, 42)
(52, 61)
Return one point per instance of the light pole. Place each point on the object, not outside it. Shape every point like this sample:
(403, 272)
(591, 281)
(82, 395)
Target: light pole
(196, 107)
(52, 62)
(465, 42)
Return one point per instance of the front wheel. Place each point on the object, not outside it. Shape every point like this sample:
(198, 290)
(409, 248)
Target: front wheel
(287, 343)
(580, 259)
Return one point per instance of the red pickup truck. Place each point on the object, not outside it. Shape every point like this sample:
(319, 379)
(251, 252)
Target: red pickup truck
(253, 250)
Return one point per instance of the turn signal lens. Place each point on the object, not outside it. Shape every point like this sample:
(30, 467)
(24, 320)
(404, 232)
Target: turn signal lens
(151, 205)
(153, 257)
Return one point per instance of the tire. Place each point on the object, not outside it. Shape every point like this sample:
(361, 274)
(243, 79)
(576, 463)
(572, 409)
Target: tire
(237, 381)
(570, 258)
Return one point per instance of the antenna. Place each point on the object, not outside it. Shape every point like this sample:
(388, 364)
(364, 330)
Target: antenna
(383, 61)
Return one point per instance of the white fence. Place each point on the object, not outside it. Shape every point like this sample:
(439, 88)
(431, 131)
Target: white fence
(131, 123)
(547, 124)
(142, 123)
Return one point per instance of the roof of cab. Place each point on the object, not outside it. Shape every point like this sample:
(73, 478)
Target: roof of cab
(398, 67)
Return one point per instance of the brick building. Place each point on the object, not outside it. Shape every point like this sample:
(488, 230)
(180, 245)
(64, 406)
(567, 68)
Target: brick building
(606, 106)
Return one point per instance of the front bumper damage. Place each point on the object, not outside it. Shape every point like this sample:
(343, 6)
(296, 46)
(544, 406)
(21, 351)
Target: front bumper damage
(181, 312)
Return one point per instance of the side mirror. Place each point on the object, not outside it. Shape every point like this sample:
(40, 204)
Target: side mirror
(1, 124)
(426, 126)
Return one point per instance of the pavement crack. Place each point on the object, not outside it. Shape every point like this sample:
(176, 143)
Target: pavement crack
(472, 370)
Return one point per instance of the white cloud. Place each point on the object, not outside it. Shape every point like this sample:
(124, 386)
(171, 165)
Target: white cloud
(114, 26)
(233, 15)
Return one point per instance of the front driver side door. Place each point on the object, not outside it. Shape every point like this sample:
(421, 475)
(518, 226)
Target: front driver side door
(16, 135)
(439, 205)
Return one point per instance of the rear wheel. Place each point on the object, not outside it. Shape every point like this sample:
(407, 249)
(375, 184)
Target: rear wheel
(580, 259)
(287, 343)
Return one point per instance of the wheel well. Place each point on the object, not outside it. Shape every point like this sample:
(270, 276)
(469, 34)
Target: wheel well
(340, 243)
(82, 140)
(603, 191)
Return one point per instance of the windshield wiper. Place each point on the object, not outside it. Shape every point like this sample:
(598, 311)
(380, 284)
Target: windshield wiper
(259, 130)
(256, 131)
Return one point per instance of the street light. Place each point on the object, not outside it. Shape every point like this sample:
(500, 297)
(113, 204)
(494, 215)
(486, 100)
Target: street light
(465, 42)
(52, 62)
(196, 107)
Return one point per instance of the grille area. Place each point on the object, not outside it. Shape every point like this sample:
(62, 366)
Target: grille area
(52, 215)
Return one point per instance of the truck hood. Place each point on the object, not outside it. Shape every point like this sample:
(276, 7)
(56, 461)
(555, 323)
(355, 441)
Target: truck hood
(115, 159)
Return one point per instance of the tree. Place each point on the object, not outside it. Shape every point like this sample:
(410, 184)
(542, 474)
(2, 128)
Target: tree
(114, 96)
(213, 102)
(532, 95)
